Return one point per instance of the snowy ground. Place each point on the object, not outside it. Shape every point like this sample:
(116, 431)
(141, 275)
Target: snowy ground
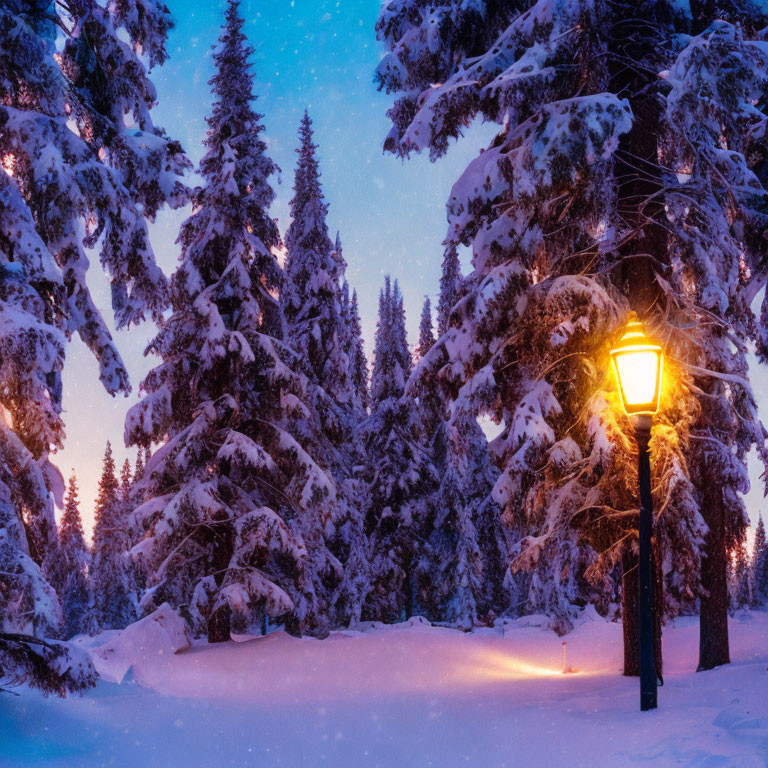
(408, 696)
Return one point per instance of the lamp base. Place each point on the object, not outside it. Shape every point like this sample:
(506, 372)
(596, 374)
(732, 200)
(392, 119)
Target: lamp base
(642, 422)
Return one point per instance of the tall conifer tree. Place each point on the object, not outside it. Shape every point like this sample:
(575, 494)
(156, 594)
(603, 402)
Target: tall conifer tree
(398, 472)
(359, 365)
(426, 332)
(66, 570)
(450, 287)
(111, 604)
(314, 269)
(760, 565)
(226, 493)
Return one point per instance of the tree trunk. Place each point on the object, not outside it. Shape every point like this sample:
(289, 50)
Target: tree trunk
(713, 621)
(218, 625)
(629, 611)
(219, 622)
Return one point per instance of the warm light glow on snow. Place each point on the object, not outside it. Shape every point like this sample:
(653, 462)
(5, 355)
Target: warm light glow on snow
(497, 665)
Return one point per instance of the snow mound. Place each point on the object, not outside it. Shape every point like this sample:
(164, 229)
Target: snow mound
(144, 645)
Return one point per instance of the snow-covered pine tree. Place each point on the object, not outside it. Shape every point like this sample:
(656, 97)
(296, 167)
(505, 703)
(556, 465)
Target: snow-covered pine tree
(323, 328)
(348, 342)
(450, 287)
(467, 559)
(573, 220)
(111, 601)
(359, 362)
(227, 487)
(468, 554)
(740, 586)
(760, 566)
(76, 174)
(426, 397)
(426, 332)
(314, 269)
(66, 570)
(138, 468)
(348, 540)
(398, 473)
(715, 203)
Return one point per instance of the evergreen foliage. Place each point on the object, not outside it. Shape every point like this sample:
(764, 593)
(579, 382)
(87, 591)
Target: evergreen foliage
(111, 604)
(398, 473)
(227, 492)
(450, 288)
(760, 566)
(598, 196)
(67, 568)
(314, 268)
(83, 167)
(359, 362)
(426, 333)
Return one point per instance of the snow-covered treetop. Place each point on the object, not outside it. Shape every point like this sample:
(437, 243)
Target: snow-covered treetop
(426, 333)
(392, 359)
(314, 269)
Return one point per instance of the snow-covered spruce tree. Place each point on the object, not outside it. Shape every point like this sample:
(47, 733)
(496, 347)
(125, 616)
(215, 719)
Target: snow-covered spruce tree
(426, 398)
(740, 586)
(312, 298)
(358, 360)
(226, 489)
(450, 287)
(467, 556)
(573, 220)
(138, 468)
(66, 569)
(358, 364)
(111, 601)
(467, 553)
(426, 332)
(760, 566)
(520, 313)
(75, 175)
(716, 205)
(398, 473)
(323, 329)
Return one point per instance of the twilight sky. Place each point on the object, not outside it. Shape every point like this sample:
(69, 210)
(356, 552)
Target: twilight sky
(318, 54)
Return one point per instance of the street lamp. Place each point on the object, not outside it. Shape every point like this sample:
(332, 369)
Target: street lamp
(638, 364)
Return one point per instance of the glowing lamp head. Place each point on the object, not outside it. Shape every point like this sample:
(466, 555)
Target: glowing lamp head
(638, 363)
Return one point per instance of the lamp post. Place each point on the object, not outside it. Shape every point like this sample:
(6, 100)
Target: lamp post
(638, 364)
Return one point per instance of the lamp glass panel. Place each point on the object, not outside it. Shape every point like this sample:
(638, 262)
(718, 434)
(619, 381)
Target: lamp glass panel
(638, 373)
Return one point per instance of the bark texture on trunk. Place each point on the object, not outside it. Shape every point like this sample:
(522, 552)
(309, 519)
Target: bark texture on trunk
(219, 625)
(713, 621)
(629, 612)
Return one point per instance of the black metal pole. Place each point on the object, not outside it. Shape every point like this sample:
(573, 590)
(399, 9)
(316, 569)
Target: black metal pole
(645, 572)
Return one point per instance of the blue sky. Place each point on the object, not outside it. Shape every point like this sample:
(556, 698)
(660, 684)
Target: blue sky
(318, 54)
